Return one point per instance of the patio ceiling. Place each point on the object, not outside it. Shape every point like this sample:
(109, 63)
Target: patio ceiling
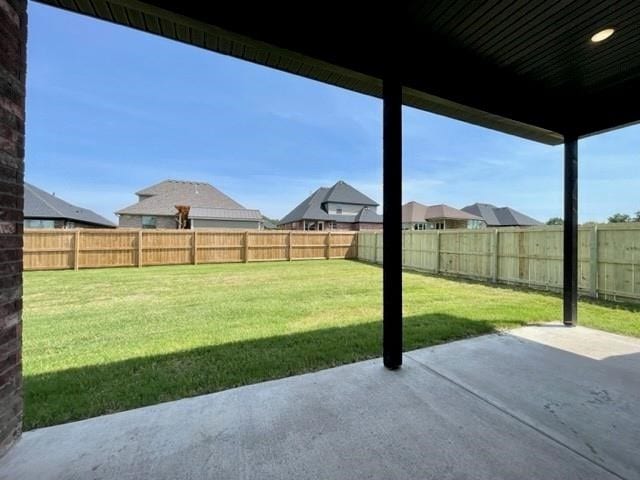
(525, 67)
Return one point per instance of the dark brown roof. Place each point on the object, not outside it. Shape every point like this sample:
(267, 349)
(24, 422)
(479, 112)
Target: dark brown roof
(414, 212)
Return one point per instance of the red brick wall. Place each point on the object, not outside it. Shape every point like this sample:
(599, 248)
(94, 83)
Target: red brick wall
(369, 226)
(13, 35)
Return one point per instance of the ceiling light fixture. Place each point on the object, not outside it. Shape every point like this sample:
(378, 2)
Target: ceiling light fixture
(602, 35)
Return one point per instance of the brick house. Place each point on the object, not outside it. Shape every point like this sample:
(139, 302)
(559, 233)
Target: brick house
(417, 216)
(340, 207)
(207, 207)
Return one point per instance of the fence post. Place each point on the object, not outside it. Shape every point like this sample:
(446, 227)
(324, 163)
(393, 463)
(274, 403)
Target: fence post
(76, 250)
(245, 258)
(140, 248)
(495, 256)
(289, 249)
(356, 237)
(404, 247)
(195, 246)
(328, 246)
(437, 251)
(375, 248)
(593, 257)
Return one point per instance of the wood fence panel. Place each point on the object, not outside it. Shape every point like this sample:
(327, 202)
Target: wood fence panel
(420, 251)
(608, 256)
(48, 250)
(343, 245)
(107, 248)
(619, 261)
(308, 245)
(268, 246)
(166, 247)
(56, 249)
(220, 247)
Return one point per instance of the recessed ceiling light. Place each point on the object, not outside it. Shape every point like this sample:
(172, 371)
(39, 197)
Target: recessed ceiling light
(602, 35)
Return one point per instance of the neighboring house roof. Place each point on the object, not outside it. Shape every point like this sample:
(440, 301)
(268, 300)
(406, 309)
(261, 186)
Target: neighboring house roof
(311, 207)
(501, 216)
(342, 192)
(42, 205)
(414, 212)
(268, 224)
(367, 215)
(205, 213)
(164, 196)
(447, 212)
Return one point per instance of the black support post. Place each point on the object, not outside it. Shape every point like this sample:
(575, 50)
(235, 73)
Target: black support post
(570, 283)
(392, 210)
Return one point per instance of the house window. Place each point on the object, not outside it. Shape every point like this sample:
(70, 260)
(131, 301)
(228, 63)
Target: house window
(31, 223)
(148, 221)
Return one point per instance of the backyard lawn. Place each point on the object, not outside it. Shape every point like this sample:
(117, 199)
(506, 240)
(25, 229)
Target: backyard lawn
(101, 341)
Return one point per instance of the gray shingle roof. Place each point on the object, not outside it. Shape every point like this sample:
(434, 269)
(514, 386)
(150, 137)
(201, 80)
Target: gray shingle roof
(164, 197)
(42, 205)
(225, 213)
(311, 207)
(342, 192)
(501, 217)
(367, 215)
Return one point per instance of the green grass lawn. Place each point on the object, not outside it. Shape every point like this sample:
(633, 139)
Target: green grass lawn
(100, 341)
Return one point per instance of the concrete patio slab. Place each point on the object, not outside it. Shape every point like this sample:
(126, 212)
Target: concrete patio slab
(499, 406)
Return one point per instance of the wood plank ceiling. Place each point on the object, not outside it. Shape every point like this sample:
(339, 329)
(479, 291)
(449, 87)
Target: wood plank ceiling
(525, 67)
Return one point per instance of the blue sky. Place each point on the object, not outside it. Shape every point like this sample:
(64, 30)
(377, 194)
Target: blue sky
(111, 110)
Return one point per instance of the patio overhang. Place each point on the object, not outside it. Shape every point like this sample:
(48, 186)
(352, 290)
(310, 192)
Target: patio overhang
(524, 68)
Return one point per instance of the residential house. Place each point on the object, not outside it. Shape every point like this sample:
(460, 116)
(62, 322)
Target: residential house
(416, 216)
(500, 216)
(174, 203)
(340, 207)
(45, 210)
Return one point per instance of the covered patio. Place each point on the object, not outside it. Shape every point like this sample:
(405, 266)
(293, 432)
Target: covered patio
(501, 406)
(543, 70)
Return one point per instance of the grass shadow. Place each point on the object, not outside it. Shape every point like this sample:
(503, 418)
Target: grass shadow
(74, 394)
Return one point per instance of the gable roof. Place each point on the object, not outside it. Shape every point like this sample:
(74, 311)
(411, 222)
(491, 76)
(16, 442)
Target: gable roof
(414, 212)
(342, 192)
(164, 196)
(501, 216)
(311, 207)
(43, 205)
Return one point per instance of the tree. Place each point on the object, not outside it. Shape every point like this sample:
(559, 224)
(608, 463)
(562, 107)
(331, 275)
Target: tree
(619, 218)
(637, 217)
(555, 221)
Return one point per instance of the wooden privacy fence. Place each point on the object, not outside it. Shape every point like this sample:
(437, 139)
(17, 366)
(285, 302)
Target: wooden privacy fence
(608, 256)
(93, 248)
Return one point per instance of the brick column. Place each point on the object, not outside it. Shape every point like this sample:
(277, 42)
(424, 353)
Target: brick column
(13, 35)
